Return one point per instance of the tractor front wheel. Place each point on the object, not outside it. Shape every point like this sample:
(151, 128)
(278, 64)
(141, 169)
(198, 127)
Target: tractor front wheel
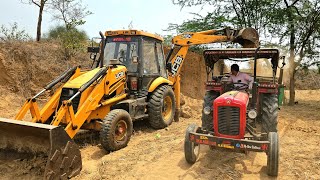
(116, 130)
(273, 154)
(191, 149)
(161, 107)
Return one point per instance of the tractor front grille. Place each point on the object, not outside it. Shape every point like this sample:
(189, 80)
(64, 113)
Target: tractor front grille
(228, 120)
(66, 94)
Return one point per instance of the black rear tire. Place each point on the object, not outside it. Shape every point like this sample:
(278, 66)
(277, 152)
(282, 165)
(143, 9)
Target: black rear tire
(207, 119)
(273, 154)
(191, 149)
(269, 113)
(161, 107)
(116, 130)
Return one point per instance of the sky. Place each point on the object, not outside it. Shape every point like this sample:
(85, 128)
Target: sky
(152, 16)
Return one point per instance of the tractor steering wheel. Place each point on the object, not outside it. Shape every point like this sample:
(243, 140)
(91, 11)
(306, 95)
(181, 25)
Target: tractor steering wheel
(241, 86)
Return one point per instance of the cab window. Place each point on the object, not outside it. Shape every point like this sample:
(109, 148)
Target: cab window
(150, 65)
(161, 60)
(123, 49)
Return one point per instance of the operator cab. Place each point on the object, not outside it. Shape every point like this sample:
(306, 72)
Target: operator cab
(141, 53)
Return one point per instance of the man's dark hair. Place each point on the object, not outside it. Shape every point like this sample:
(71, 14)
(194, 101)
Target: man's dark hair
(235, 67)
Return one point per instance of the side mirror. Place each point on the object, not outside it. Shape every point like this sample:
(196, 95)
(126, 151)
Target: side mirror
(93, 49)
(135, 59)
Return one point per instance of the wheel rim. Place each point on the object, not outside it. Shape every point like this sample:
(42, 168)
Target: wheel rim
(167, 108)
(196, 149)
(120, 130)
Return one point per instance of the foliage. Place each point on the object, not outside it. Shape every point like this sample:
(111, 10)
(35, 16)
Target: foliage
(295, 25)
(236, 13)
(71, 12)
(167, 40)
(200, 23)
(72, 39)
(13, 33)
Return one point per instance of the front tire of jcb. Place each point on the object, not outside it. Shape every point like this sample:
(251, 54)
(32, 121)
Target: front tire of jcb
(273, 154)
(116, 130)
(161, 107)
(269, 113)
(191, 149)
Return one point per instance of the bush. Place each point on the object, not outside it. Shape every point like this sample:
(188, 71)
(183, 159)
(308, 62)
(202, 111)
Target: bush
(13, 33)
(72, 39)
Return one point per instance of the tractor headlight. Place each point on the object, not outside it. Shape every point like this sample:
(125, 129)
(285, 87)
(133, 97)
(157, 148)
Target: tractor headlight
(252, 114)
(207, 110)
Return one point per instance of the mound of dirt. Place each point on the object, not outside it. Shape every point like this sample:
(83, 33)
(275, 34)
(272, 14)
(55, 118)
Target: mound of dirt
(193, 74)
(26, 67)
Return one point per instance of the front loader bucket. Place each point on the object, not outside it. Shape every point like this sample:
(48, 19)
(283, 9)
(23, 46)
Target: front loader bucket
(248, 38)
(62, 155)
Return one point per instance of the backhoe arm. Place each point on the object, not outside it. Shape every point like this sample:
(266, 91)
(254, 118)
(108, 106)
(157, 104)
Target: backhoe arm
(247, 37)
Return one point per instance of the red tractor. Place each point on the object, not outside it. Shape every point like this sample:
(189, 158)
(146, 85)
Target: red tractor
(233, 116)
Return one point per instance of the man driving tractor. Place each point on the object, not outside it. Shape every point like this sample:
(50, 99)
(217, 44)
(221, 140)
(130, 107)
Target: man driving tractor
(239, 78)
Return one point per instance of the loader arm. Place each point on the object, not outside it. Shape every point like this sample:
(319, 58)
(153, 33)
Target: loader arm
(247, 37)
(102, 87)
(31, 104)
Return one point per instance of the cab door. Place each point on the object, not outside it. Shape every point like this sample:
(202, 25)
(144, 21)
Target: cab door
(150, 65)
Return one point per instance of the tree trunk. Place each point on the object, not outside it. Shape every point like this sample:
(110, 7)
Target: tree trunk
(292, 67)
(292, 87)
(292, 70)
(40, 20)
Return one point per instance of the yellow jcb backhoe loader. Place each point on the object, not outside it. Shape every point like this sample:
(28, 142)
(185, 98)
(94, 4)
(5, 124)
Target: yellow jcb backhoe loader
(131, 80)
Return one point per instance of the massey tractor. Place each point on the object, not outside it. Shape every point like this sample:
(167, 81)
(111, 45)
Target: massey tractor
(234, 116)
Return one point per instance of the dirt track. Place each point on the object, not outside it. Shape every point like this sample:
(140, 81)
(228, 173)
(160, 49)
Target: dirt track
(149, 156)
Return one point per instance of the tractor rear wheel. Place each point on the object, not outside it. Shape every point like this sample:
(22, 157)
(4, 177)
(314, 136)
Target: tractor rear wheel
(161, 107)
(207, 119)
(273, 154)
(116, 130)
(269, 113)
(191, 149)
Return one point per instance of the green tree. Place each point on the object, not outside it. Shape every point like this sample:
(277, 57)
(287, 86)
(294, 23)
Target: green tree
(200, 23)
(296, 24)
(72, 40)
(236, 13)
(72, 14)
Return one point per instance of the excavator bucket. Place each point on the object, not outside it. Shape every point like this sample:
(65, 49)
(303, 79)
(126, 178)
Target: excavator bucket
(26, 139)
(248, 38)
